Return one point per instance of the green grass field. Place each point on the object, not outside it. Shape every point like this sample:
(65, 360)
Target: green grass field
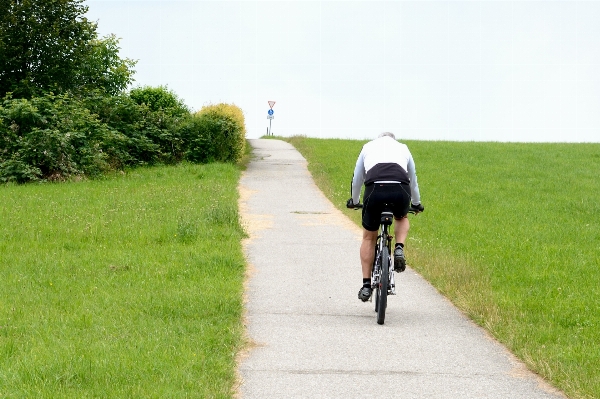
(128, 286)
(510, 234)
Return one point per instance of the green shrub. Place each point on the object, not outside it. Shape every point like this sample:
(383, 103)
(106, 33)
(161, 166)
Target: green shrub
(152, 132)
(15, 170)
(52, 137)
(159, 98)
(215, 133)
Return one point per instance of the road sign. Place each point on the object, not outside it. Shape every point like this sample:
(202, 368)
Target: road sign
(270, 116)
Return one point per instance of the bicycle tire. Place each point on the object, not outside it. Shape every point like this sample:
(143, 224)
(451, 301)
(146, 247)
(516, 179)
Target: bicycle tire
(374, 271)
(382, 289)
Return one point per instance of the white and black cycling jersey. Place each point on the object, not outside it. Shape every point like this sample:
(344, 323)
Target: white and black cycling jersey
(385, 160)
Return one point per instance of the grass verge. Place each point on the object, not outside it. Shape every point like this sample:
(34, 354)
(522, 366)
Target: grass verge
(128, 286)
(510, 235)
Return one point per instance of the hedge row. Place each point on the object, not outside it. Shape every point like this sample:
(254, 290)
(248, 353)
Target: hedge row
(56, 137)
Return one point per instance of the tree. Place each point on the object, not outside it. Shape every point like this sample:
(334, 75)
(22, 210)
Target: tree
(102, 68)
(51, 46)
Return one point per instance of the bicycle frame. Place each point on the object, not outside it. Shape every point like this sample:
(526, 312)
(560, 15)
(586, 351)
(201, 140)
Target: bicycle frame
(382, 273)
(383, 237)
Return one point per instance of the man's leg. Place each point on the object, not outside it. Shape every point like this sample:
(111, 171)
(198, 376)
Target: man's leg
(401, 228)
(367, 251)
(367, 254)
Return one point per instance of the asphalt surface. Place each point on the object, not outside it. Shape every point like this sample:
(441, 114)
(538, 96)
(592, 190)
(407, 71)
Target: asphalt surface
(313, 338)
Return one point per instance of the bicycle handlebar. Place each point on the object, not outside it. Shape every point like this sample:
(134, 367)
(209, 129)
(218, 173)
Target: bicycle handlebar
(359, 206)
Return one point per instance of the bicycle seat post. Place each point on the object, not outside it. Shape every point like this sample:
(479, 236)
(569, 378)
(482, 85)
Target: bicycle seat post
(387, 218)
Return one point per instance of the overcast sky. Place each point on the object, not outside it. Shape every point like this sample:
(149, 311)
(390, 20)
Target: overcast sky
(440, 70)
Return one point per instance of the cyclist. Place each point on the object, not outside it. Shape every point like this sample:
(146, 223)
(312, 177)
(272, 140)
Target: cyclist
(387, 169)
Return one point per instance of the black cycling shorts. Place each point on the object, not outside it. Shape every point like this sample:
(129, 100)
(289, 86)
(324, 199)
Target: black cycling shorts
(378, 197)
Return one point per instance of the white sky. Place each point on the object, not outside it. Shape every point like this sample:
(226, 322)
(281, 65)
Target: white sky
(435, 70)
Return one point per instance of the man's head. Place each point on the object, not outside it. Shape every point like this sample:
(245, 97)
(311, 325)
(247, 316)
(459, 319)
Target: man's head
(388, 134)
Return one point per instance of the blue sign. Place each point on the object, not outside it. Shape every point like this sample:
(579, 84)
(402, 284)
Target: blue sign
(270, 112)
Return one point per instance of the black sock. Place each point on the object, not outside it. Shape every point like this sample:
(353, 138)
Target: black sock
(366, 282)
(399, 244)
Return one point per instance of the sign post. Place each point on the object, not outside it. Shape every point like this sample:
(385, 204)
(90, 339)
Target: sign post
(270, 116)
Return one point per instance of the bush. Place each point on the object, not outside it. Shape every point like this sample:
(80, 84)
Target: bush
(123, 114)
(52, 137)
(159, 99)
(215, 133)
(150, 119)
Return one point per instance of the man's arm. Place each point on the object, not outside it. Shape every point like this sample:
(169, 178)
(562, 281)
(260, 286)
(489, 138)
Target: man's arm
(358, 179)
(414, 185)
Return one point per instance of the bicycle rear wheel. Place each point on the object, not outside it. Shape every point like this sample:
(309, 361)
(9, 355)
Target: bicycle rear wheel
(382, 288)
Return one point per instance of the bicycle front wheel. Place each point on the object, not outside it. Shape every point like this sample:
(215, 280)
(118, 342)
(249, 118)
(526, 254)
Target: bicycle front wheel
(382, 288)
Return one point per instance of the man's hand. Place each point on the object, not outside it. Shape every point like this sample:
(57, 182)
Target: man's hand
(351, 205)
(418, 208)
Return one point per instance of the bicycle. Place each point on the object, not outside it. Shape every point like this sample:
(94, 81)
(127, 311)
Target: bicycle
(382, 272)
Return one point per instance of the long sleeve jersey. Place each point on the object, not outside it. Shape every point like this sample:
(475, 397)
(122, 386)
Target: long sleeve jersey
(385, 160)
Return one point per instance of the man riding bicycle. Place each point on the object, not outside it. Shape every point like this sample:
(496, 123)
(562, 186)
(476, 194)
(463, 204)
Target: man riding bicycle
(387, 169)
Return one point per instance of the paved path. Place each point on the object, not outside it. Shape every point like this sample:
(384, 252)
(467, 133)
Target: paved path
(314, 338)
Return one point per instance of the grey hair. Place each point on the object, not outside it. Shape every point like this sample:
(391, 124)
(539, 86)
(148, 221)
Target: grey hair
(389, 134)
